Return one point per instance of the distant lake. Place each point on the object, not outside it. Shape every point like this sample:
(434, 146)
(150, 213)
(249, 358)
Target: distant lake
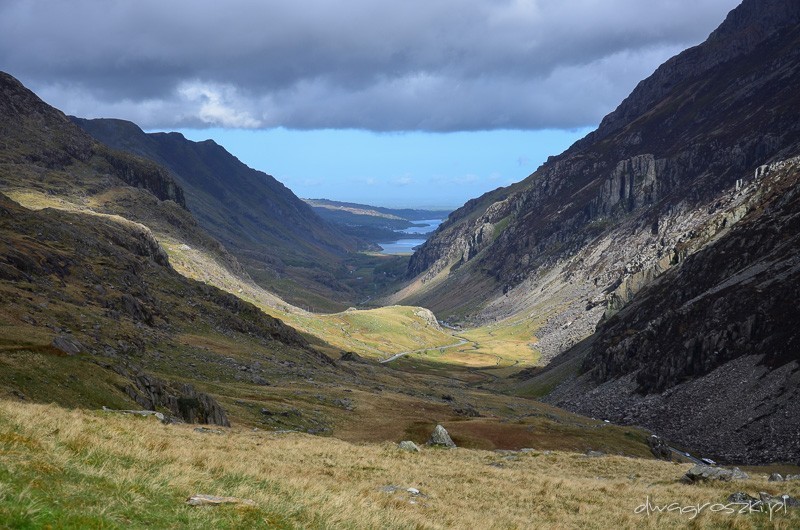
(406, 246)
(429, 226)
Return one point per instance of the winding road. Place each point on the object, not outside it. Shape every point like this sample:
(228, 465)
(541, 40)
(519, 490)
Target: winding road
(402, 353)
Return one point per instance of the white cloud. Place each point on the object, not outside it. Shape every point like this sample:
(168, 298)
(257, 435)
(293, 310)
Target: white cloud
(217, 105)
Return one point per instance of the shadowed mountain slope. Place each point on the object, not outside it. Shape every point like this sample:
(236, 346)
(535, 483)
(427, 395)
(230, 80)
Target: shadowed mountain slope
(278, 238)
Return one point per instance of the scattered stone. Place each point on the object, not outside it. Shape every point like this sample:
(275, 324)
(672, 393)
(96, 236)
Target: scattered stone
(352, 357)
(67, 345)
(786, 500)
(408, 445)
(344, 403)
(208, 431)
(659, 448)
(158, 415)
(441, 437)
(776, 477)
(413, 491)
(787, 478)
(260, 381)
(741, 498)
(211, 500)
(700, 473)
(467, 410)
(594, 454)
(390, 488)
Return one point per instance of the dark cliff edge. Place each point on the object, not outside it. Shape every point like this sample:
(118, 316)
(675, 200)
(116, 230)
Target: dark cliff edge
(708, 355)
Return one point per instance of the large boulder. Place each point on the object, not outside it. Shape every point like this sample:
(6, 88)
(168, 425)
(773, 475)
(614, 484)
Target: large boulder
(702, 473)
(659, 448)
(441, 437)
(408, 445)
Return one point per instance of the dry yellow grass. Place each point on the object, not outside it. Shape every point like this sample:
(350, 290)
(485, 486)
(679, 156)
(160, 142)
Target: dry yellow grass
(71, 468)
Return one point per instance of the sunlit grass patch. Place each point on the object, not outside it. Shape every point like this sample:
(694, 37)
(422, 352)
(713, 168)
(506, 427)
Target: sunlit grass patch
(89, 470)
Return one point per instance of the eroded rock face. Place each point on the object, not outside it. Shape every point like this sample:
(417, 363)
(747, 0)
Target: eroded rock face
(182, 399)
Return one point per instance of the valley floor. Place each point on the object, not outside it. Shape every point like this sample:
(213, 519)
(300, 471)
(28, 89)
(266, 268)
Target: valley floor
(92, 469)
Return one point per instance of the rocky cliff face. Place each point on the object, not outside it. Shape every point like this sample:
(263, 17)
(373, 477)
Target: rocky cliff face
(709, 353)
(616, 204)
(672, 227)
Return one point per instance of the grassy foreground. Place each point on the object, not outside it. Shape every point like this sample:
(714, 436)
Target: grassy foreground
(64, 468)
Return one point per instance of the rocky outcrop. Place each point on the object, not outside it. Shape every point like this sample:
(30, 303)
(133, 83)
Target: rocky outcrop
(181, 399)
(141, 174)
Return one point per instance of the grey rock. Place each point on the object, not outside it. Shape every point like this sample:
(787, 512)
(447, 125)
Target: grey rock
(776, 477)
(701, 473)
(741, 498)
(212, 500)
(158, 415)
(408, 445)
(344, 403)
(206, 430)
(594, 454)
(441, 437)
(67, 345)
(784, 499)
(260, 381)
(468, 410)
(659, 448)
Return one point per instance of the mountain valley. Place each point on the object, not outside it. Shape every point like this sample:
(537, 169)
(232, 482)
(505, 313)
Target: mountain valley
(585, 335)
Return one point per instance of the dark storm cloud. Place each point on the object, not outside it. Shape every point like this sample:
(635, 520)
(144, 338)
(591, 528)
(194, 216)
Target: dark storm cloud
(375, 64)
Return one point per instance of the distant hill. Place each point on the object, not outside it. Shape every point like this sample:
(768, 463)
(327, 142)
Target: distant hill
(373, 223)
(409, 214)
(278, 238)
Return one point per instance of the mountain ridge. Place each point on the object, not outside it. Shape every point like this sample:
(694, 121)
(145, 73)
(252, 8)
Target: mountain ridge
(276, 236)
(627, 207)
